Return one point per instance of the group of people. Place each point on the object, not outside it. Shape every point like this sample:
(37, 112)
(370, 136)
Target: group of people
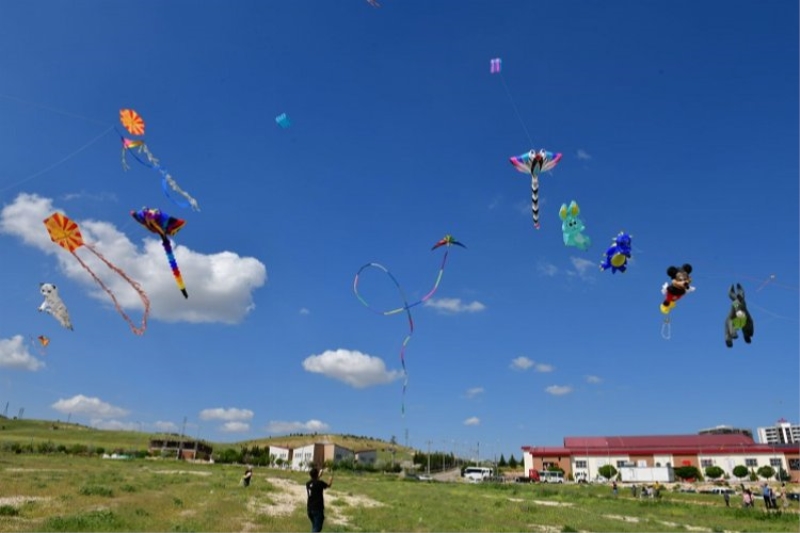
(771, 497)
(315, 504)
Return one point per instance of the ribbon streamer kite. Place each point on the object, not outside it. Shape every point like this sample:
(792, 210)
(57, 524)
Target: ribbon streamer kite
(65, 232)
(165, 227)
(135, 125)
(446, 241)
(534, 163)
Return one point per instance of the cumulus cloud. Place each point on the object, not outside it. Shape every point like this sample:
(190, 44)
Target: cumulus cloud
(546, 269)
(521, 363)
(543, 367)
(352, 367)
(474, 391)
(230, 415)
(304, 311)
(593, 379)
(454, 305)
(312, 426)
(14, 354)
(472, 421)
(583, 154)
(94, 408)
(222, 284)
(166, 427)
(558, 390)
(235, 427)
(583, 267)
(99, 423)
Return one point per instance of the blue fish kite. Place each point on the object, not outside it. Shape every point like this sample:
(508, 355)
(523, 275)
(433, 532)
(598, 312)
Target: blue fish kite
(283, 121)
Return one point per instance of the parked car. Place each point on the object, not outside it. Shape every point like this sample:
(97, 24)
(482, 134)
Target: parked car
(795, 496)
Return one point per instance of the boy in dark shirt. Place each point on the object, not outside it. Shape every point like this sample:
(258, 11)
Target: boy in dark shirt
(316, 501)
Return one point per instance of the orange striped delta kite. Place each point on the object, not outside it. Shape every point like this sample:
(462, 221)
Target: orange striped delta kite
(65, 232)
(134, 124)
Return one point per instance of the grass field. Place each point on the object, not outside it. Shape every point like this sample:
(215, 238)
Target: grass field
(59, 492)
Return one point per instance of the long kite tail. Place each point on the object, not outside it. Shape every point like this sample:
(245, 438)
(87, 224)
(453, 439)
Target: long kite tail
(142, 295)
(535, 198)
(174, 265)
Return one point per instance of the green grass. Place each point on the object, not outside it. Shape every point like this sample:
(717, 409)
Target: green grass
(65, 493)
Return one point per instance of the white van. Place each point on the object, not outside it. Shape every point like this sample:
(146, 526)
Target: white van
(547, 476)
(477, 473)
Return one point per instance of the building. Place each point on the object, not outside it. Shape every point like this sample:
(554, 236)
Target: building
(583, 456)
(189, 449)
(303, 457)
(280, 455)
(781, 433)
(726, 430)
(367, 457)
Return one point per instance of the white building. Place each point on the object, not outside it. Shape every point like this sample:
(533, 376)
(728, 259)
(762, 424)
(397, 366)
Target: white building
(781, 433)
(318, 454)
(367, 457)
(279, 452)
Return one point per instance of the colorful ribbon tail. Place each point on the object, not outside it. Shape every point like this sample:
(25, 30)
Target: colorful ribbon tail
(174, 266)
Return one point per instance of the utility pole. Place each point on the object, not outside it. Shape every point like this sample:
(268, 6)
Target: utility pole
(429, 458)
(180, 443)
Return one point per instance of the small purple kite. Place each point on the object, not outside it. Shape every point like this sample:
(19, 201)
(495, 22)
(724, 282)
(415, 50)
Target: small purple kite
(495, 65)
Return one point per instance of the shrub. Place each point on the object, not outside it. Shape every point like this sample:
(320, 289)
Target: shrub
(96, 490)
(740, 471)
(8, 510)
(607, 471)
(766, 471)
(714, 472)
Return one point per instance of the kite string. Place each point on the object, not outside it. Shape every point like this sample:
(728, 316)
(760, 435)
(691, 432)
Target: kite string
(516, 110)
(59, 162)
(48, 108)
(136, 287)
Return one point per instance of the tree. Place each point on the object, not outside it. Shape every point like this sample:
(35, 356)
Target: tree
(766, 471)
(714, 472)
(783, 475)
(512, 463)
(740, 471)
(688, 472)
(607, 471)
(502, 462)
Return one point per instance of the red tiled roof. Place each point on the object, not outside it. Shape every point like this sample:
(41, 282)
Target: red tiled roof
(659, 441)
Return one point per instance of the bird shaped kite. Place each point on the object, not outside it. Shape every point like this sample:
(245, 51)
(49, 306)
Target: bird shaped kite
(65, 232)
(53, 305)
(134, 124)
(534, 163)
(165, 227)
(447, 241)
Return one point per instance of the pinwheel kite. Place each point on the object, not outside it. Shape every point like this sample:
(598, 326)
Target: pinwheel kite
(447, 241)
(165, 227)
(54, 305)
(134, 124)
(534, 163)
(65, 232)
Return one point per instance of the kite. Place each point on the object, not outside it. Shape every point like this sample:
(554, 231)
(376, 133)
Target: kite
(134, 124)
(65, 232)
(494, 65)
(447, 241)
(738, 318)
(673, 291)
(572, 227)
(373, 3)
(165, 227)
(618, 254)
(534, 163)
(283, 121)
(54, 305)
(41, 344)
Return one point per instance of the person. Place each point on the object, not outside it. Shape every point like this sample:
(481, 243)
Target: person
(315, 506)
(766, 492)
(727, 498)
(747, 498)
(248, 475)
(614, 488)
(784, 498)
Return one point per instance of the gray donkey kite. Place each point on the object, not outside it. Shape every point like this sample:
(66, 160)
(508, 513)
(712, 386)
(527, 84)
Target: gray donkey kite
(738, 318)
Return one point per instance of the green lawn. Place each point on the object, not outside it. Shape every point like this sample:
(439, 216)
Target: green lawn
(65, 493)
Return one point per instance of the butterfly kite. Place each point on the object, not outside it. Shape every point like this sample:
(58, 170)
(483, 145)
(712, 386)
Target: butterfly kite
(54, 305)
(447, 241)
(534, 163)
(165, 227)
(134, 124)
(65, 232)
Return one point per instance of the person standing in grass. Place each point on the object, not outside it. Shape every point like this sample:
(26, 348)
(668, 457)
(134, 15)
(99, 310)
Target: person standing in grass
(727, 498)
(316, 501)
(248, 475)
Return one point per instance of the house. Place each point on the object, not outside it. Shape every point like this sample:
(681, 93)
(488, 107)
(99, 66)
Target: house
(280, 455)
(583, 456)
(318, 454)
(180, 449)
(367, 457)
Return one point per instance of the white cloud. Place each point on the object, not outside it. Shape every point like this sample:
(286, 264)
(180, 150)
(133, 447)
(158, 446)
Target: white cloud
(235, 427)
(14, 354)
(472, 421)
(230, 415)
(166, 427)
(593, 379)
(546, 269)
(583, 154)
(542, 367)
(558, 390)
(304, 311)
(352, 367)
(118, 425)
(94, 408)
(583, 266)
(313, 426)
(220, 285)
(474, 391)
(454, 305)
(521, 363)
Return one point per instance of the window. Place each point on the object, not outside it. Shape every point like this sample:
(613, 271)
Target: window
(706, 462)
(658, 464)
(775, 463)
(580, 464)
(794, 464)
(621, 464)
(750, 462)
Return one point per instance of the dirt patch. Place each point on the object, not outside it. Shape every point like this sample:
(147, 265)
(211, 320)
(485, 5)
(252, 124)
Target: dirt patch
(193, 472)
(15, 501)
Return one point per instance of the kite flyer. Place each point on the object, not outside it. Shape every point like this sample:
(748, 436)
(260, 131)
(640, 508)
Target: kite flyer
(316, 500)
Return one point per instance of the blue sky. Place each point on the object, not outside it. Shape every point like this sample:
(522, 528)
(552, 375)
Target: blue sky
(677, 121)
